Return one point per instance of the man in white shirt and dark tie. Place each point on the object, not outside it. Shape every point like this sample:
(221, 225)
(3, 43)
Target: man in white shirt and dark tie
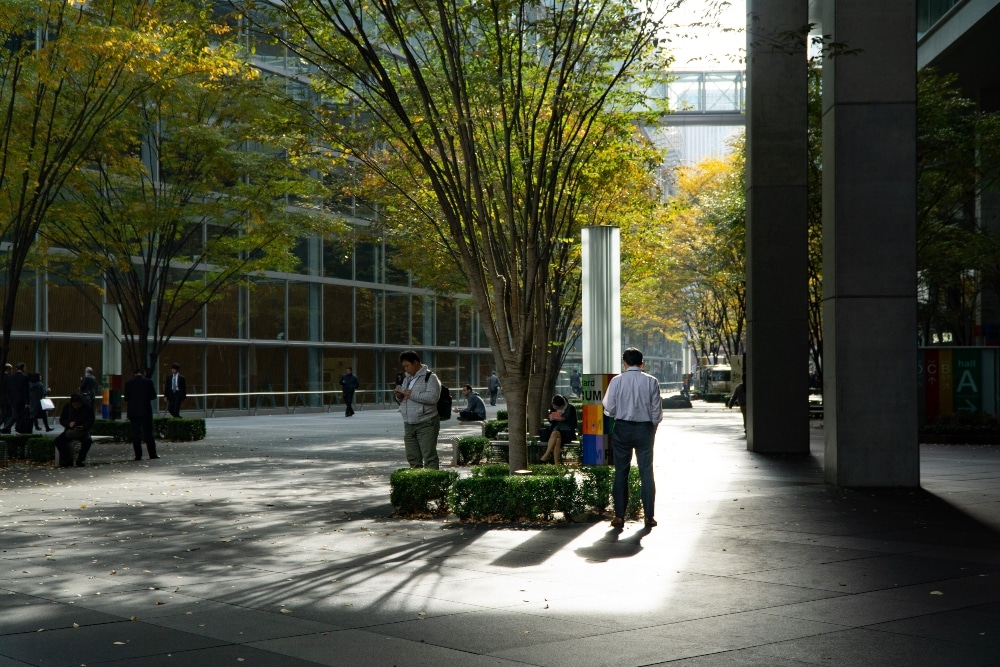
(175, 390)
(633, 399)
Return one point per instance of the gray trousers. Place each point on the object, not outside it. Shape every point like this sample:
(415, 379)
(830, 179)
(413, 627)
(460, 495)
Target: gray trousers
(421, 443)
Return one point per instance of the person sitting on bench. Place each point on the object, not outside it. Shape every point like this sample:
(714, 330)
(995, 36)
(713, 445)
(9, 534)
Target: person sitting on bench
(77, 419)
(561, 428)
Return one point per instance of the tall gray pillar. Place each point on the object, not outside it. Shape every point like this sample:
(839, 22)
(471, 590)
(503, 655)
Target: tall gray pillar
(869, 244)
(776, 235)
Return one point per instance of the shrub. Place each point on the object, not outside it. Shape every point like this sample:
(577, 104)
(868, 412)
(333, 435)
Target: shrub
(634, 507)
(16, 444)
(529, 497)
(478, 497)
(164, 428)
(595, 489)
(39, 448)
(182, 429)
(492, 427)
(714, 398)
(472, 449)
(412, 489)
(491, 470)
(502, 415)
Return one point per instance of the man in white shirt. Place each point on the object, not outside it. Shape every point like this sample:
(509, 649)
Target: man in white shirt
(633, 399)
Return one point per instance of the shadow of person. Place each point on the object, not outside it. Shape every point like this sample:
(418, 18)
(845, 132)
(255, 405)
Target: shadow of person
(611, 546)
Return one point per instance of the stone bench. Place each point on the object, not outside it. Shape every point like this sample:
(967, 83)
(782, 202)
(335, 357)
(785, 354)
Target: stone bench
(74, 444)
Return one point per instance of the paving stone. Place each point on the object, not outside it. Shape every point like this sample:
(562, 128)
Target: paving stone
(272, 542)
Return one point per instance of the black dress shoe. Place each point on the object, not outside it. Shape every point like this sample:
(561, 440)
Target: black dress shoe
(80, 464)
(154, 457)
(138, 458)
(650, 522)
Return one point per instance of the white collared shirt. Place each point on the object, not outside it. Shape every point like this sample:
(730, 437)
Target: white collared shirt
(634, 396)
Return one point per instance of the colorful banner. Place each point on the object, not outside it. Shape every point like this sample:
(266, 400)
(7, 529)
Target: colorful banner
(957, 381)
(595, 438)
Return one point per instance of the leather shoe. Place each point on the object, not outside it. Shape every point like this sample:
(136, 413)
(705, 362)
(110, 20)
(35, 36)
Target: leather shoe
(80, 464)
(618, 522)
(650, 522)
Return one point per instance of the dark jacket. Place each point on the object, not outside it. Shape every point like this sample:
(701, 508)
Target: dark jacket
(139, 394)
(36, 391)
(88, 389)
(17, 388)
(474, 406)
(82, 417)
(168, 387)
(349, 381)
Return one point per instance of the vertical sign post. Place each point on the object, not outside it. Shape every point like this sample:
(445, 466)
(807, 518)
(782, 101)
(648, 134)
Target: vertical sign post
(601, 336)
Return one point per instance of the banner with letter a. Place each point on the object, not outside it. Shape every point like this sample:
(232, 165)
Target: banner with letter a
(595, 438)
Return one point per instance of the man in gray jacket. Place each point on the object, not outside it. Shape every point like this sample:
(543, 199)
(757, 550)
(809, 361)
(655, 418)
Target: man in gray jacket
(418, 396)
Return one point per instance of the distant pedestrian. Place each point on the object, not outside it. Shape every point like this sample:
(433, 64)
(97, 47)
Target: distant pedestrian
(76, 419)
(139, 394)
(493, 385)
(88, 387)
(17, 394)
(418, 395)
(739, 398)
(4, 400)
(349, 383)
(36, 392)
(474, 410)
(576, 382)
(174, 390)
(633, 399)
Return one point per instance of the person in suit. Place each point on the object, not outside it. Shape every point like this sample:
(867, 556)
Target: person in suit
(349, 382)
(88, 386)
(174, 390)
(4, 400)
(76, 418)
(561, 428)
(17, 394)
(36, 392)
(493, 384)
(139, 394)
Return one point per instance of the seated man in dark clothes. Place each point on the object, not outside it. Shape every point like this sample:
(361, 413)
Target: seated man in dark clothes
(474, 410)
(77, 419)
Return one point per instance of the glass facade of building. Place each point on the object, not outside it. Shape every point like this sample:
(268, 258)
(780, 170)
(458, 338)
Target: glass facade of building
(281, 344)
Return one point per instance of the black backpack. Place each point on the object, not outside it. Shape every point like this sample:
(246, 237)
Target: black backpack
(444, 401)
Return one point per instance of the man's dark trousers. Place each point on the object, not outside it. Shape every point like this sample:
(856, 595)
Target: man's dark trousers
(626, 438)
(349, 402)
(142, 429)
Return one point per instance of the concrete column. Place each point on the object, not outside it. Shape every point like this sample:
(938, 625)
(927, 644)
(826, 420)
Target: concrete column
(869, 244)
(602, 322)
(776, 234)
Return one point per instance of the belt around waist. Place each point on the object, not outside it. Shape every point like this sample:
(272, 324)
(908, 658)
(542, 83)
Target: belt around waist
(629, 421)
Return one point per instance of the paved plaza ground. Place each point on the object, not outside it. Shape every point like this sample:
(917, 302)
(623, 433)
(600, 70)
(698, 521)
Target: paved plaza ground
(272, 543)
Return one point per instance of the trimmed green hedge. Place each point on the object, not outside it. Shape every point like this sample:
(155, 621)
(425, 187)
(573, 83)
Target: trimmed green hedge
(492, 494)
(472, 449)
(40, 449)
(502, 415)
(173, 428)
(164, 428)
(492, 427)
(412, 490)
(16, 443)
